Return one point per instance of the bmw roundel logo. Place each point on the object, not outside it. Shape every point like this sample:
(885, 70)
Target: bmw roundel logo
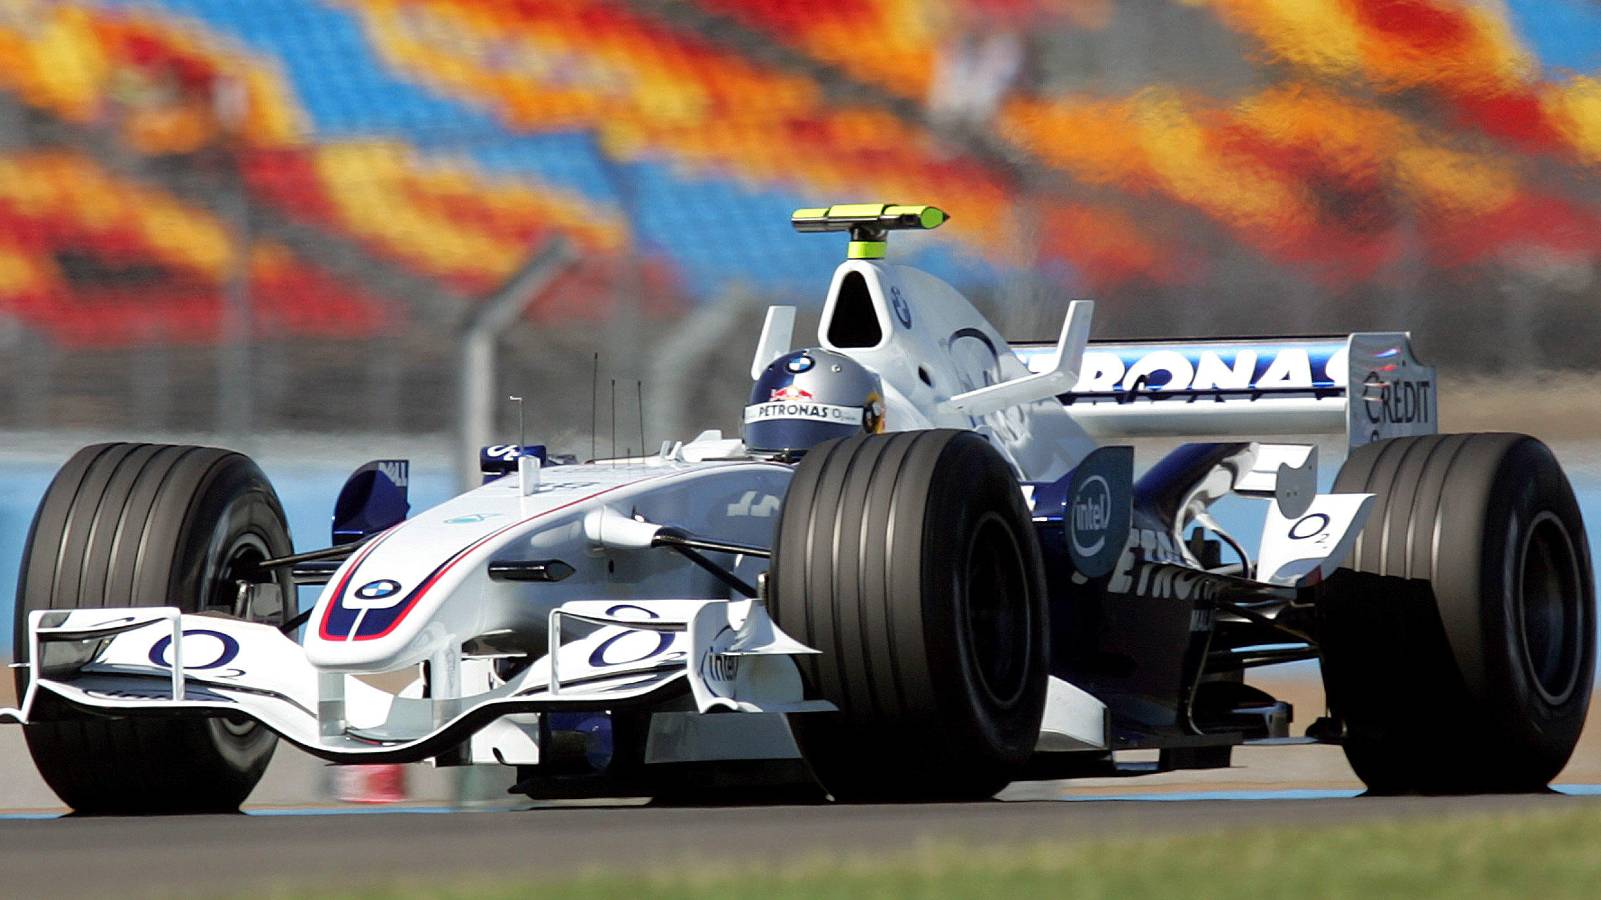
(377, 590)
(800, 364)
(902, 310)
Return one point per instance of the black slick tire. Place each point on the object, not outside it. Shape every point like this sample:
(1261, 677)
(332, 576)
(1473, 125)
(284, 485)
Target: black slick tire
(1459, 644)
(128, 525)
(909, 560)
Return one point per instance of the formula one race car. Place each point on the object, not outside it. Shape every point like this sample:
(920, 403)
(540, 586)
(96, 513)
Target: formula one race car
(915, 575)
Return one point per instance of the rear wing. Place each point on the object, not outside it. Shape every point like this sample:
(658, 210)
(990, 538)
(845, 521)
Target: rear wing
(1368, 385)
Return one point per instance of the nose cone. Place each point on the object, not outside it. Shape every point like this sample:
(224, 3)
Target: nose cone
(394, 602)
(363, 622)
(418, 586)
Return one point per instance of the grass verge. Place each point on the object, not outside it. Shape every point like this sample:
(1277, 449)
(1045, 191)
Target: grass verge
(1544, 854)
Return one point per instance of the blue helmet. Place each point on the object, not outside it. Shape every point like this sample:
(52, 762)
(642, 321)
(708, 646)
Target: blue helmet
(809, 396)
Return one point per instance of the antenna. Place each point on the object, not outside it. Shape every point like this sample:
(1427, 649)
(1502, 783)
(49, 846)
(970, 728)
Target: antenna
(640, 387)
(594, 402)
(522, 432)
(614, 421)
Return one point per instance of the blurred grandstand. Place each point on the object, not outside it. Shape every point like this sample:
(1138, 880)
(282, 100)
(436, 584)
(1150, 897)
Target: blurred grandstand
(248, 215)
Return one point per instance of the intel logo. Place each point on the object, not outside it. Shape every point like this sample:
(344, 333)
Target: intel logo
(378, 590)
(1091, 516)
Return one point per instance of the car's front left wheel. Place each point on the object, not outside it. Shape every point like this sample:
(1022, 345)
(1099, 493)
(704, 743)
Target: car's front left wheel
(1459, 643)
(129, 525)
(909, 560)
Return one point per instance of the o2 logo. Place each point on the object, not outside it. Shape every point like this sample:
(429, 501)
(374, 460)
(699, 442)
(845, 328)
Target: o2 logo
(600, 657)
(227, 650)
(1309, 527)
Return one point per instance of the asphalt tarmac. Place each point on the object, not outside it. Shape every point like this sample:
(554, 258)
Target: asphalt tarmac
(298, 836)
(209, 855)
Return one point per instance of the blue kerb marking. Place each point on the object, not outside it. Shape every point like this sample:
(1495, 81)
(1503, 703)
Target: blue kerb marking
(1177, 796)
(1572, 790)
(358, 811)
(380, 809)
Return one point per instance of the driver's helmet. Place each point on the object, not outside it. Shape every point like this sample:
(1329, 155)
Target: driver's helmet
(809, 396)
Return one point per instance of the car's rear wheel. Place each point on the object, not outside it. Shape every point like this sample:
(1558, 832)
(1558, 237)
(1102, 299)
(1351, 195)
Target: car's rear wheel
(1459, 647)
(128, 525)
(909, 560)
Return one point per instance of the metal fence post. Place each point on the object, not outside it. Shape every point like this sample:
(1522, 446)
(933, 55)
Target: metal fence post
(476, 375)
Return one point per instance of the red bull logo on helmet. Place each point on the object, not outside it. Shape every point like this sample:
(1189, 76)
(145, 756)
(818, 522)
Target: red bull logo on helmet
(791, 393)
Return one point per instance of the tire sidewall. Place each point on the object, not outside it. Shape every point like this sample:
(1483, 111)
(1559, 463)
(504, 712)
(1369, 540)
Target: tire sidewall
(151, 525)
(1005, 730)
(235, 505)
(1425, 652)
(869, 568)
(1504, 682)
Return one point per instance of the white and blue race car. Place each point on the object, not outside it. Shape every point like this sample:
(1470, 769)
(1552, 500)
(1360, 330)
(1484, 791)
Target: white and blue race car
(925, 570)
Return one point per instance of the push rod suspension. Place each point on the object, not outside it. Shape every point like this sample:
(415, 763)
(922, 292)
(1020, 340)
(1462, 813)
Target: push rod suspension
(689, 547)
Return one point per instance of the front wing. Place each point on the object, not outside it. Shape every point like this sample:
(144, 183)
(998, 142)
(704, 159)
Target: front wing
(158, 661)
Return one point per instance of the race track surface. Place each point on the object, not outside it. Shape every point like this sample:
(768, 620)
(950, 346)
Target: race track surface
(451, 828)
(230, 854)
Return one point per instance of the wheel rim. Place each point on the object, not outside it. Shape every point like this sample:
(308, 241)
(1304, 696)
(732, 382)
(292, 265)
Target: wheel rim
(247, 552)
(238, 735)
(997, 610)
(1550, 608)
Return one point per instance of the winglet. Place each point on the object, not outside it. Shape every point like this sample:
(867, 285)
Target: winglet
(1058, 378)
(777, 332)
